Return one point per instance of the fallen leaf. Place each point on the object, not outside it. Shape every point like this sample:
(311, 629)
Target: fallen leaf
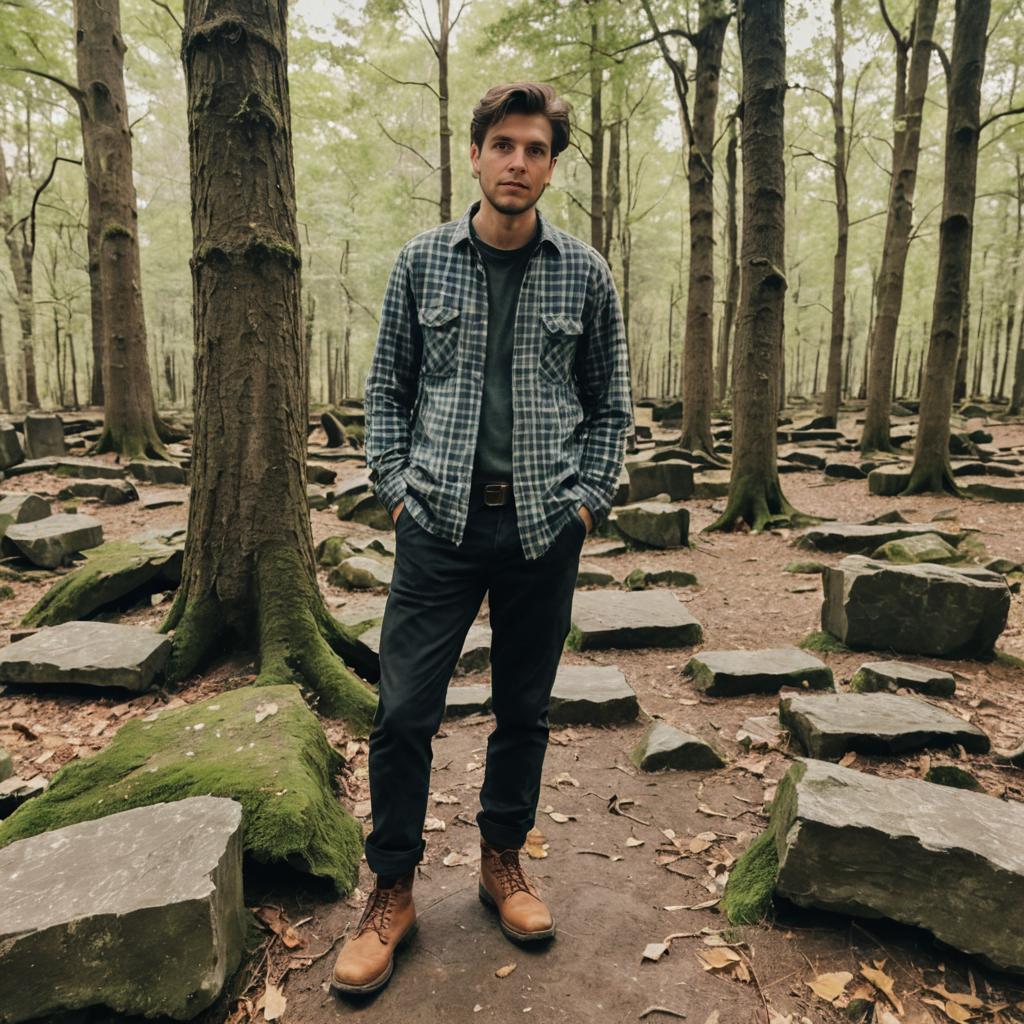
(654, 951)
(445, 798)
(361, 809)
(275, 920)
(953, 1011)
(633, 841)
(883, 983)
(718, 958)
(567, 778)
(433, 824)
(561, 818)
(504, 972)
(704, 809)
(274, 1003)
(265, 710)
(830, 986)
(703, 841)
(848, 759)
(963, 998)
(456, 859)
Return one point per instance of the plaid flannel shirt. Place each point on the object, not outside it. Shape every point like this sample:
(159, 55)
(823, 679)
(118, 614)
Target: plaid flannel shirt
(571, 396)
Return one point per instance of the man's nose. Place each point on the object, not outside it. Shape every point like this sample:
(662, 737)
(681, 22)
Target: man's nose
(518, 157)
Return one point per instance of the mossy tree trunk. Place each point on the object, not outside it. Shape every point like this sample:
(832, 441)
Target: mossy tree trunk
(755, 495)
(131, 426)
(931, 470)
(732, 285)
(911, 87)
(249, 578)
(841, 162)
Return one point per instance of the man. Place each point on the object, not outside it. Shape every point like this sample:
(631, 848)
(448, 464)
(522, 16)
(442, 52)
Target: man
(497, 404)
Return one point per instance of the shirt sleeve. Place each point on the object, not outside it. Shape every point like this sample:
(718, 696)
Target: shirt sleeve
(606, 396)
(391, 387)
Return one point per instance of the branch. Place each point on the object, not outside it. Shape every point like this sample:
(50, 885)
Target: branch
(995, 117)
(900, 42)
(655, 38)
(174, 17)
(399, 81)
(405, 145)
(946, 66)
(870, 216)
(679, 81)
(31, 215)
(76, 93)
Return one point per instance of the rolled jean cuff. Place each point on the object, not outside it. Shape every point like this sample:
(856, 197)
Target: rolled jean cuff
(391, 862)
(501, 837)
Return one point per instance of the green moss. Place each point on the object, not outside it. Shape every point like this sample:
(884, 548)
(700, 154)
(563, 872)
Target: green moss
(574, 640)
(641, 579)
(116, 231)
(806, 568)
(111, 572)
(332, 551)
(951, 775)
(824, 642)
(1009, 660)
(6, 592)
(280, 769)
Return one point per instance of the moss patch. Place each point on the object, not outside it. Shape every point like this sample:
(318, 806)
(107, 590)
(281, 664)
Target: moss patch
(824, 642)
(806, 568)
(951, 775)
(280, 769)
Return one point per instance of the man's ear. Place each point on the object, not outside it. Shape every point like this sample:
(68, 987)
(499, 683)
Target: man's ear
(474, 159)
(551, 169)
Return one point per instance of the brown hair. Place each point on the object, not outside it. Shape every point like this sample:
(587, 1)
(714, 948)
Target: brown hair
(522, 98)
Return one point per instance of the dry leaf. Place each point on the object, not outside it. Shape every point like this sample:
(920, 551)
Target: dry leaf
(654, 951)
(703, 841)
(830, 986)
(718, 958)
(265, 710)
(633, 841)
(274, 1003)
(848, 759)
(433, 824)
(456, 859)
(444, 798)
(704, 809)
(567, 778)
(883, 983)
(560, 817)
(953, 1011)
(884, 1016)
(361, 809)
(963, 998)
(504, 972)
(275, 920)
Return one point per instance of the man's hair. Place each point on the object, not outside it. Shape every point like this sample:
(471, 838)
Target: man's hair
(522, 98)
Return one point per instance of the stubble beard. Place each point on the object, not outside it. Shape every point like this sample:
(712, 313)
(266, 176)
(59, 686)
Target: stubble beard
(509, 210)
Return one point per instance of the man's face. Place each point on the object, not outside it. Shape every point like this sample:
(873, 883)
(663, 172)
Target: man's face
(515, 164)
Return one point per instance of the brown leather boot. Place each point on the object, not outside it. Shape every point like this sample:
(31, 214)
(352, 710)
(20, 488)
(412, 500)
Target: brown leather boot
(366, 960)
(504, 884)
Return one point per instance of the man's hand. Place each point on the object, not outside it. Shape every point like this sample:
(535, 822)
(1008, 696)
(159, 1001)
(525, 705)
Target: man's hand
(396, 512)
(588, 519)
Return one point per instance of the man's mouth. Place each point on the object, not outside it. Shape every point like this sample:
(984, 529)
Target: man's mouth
(513, 184)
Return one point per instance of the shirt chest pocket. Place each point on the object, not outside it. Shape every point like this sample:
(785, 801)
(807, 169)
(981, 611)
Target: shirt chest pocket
(439, 326)
(559, 338)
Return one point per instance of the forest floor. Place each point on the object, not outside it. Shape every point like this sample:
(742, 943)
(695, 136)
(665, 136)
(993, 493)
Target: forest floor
(610, 893)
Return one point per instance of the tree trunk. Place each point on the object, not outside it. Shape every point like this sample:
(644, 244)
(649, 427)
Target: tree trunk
(834, 374)
(131, 427)
(732, 282)
(698, 347)
(249, 576)
(755, 494)
(444, 130)
(906, 148)
(612, 190)
(596, 140)
(931, 470)
(5, 390)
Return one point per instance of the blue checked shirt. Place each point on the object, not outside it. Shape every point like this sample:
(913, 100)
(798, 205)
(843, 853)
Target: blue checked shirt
(571, 399)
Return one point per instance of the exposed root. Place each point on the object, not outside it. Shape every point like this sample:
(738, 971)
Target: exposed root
(699, 441)
(145, 445)
(758, 505)
(934, 478)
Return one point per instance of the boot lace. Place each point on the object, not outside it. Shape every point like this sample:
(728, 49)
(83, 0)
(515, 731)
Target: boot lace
(511, 875)
(377, 914)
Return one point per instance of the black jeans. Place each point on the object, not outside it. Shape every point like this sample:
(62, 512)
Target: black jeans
(436, 591)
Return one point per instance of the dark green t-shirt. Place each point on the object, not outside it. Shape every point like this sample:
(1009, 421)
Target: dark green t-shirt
(505, 269)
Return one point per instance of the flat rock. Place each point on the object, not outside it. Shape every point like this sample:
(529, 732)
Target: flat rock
(6, 765)
(44, 435)
(366, 509)
(652, 524)
(643, 578)
(108, 492)
(11, 452)
(592, 695)
(157, 472)
(876, 676)
(730, 673)
(924, 547)
(162, 497)
(48, 464)
(673, 477)
(476, 648)
(604, 548)
(467, 700)
(761, 732)
(712, 483)
(864, 538)
(958, 856)
(594, 576)
(665, 746)
(1004, 490)
(87, 654)
(317, 474)
(382, 545)
(14, 791)
(360, 572)
(888, 481)
(83, 905)
(21, 508)
(828, 725)
(51, 541)
(933, 610)
(644, 618)
(90, 469)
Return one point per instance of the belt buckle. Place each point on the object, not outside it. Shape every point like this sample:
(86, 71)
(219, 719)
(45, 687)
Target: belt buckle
(494, 495)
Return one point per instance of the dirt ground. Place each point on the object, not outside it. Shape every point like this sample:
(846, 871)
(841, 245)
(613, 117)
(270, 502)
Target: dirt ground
(616, 882)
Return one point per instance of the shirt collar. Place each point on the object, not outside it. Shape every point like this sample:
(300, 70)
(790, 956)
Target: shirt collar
(461, 232)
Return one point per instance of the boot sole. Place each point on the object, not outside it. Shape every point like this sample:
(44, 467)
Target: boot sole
(488, 900)
(381, 980)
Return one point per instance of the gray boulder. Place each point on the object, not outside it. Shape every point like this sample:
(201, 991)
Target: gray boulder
(6, 765)
(155, 472)
(712, 483)
(52, 541)
(90, 469)
(361, 572)
(877, 676)
(366, 509)
(664, 746)
(14, 791)
(888, 481)
(829, 725)
(10, 447)
(864, 538)
(107, 492)
(673, 477)
(730, 673)
(942, 859)
(925, 547)
(594, 576)
(44, 435)
(88, 654)
(914, 609)
(591, 695)
(643, 618)
(467, 700)
(641, 578)
(22, 508)
(652, 524)
(141, 911)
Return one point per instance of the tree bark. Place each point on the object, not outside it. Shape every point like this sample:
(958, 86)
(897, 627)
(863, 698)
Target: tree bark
(92, 239)
(755, 494)
(906, 148)
(931, 470)
(444, 129)
(249, 576)
(732, 283)
(596, 139)
(699, 343)
(834, 373)
(131, 427)
(5, 390)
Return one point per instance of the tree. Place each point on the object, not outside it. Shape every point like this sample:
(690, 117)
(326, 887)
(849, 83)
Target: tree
(698, 346)
(249, 575)
(931, 469)
(732, 284)
(755, 494)
(907, 121)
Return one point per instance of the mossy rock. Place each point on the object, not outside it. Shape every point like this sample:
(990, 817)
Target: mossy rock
(332, 551)
(280, 769)
(805, 568)
(641, 579)
(6, 592)
(925, 547)
(823, 642)
(951, 775)
(111, 572)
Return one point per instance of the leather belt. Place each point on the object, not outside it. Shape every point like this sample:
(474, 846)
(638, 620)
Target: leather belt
(495, 493)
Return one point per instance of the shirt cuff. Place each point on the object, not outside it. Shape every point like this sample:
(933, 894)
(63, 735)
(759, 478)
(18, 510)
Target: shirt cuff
(390, 490)
(598, 505)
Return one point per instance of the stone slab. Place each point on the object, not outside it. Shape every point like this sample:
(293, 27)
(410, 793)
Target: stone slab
(829, 725)
(87, 654)
(592, 695)
(90, 469)
(731, 673)
(162, 497)
(959, 856)
(664, 746)
(467, 700)
(934, 610)
(141, 911)
(51, 541)
(21, 508)
(11, 452)
(476, 648)
(652, 524)
(108, 492)
(673, 477)
(44, 435)
(863, 538)
(876, 676)
(156, 472)
(640, 618)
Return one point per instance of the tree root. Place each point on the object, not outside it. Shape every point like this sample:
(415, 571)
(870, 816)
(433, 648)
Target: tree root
(704, 444)
(933, 479)
(145, 445)
(759, 505)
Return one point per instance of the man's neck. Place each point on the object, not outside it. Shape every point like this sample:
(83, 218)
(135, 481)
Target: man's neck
(502, 231)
